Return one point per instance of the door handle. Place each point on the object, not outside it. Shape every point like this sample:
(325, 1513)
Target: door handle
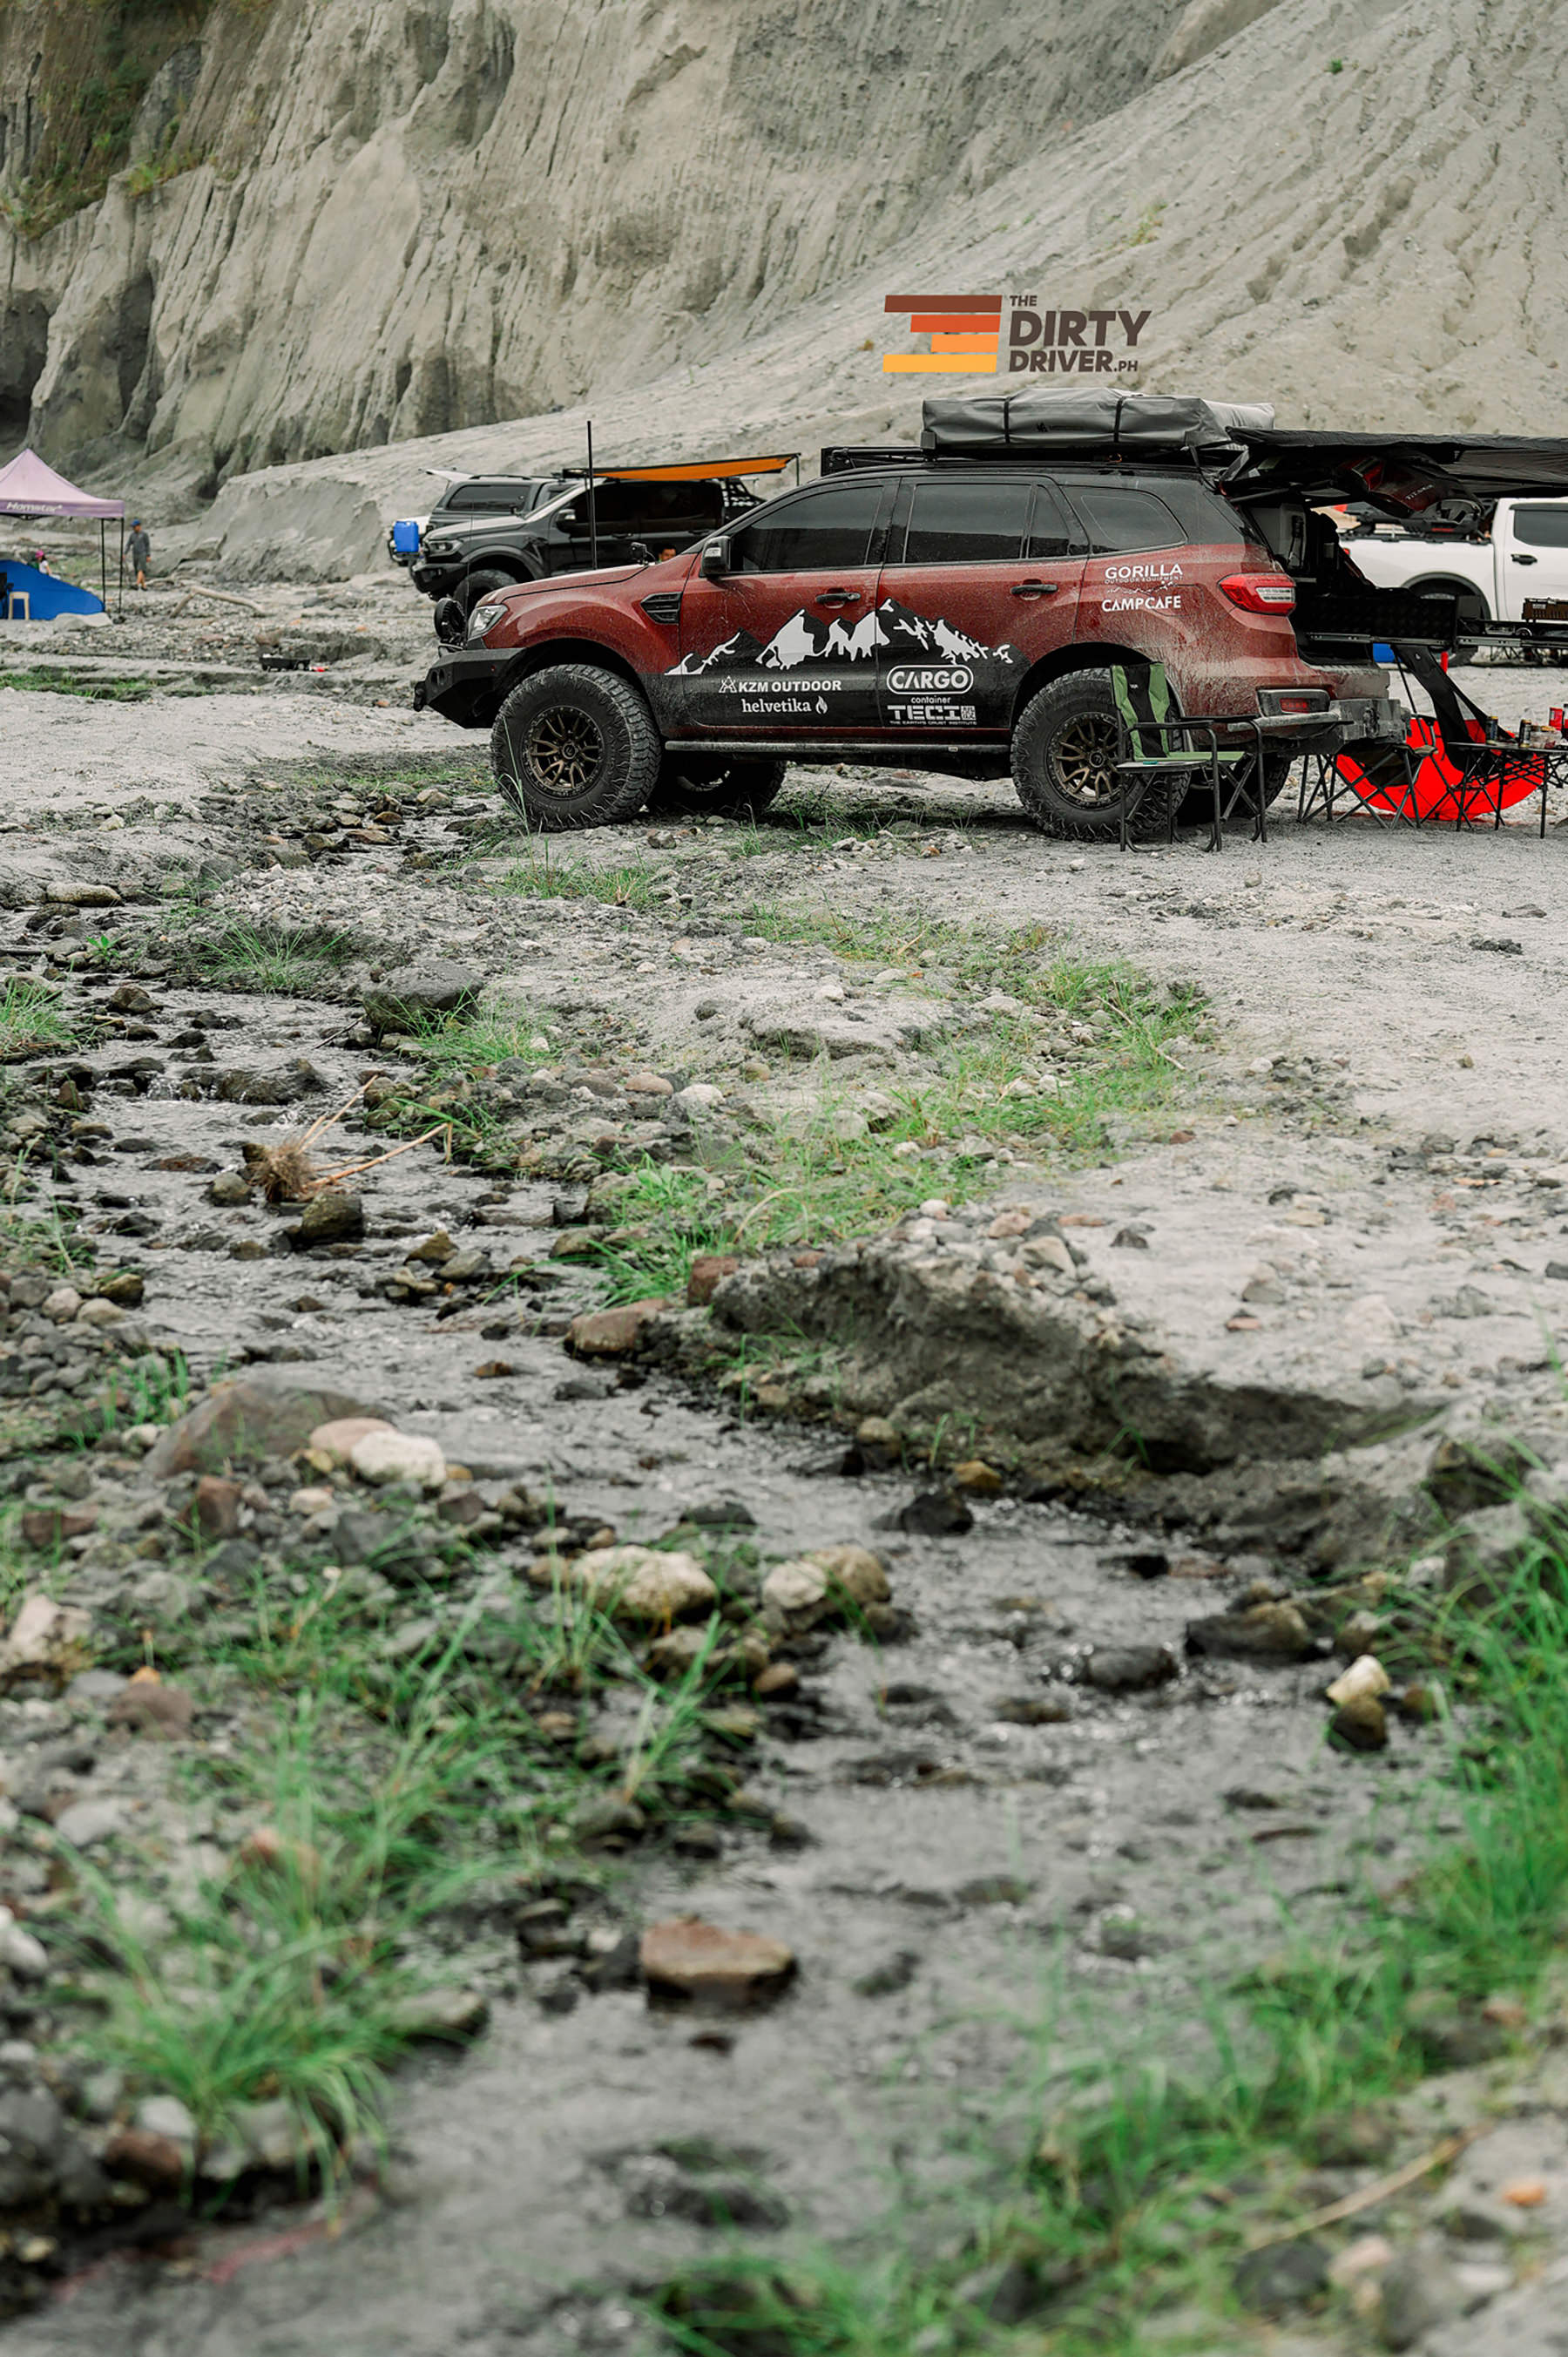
(1524, 560)
(837, 597)
(1036, 588)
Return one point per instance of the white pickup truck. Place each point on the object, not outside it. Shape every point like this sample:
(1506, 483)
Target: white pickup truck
(1504, 560)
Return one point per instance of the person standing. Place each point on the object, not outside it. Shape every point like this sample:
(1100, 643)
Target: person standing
(140, 551)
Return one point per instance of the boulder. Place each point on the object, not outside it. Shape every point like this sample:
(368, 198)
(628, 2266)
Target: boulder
(612, 1333)
(411, 994)
(689, 1960)
(245, 1422)
(637, 1583)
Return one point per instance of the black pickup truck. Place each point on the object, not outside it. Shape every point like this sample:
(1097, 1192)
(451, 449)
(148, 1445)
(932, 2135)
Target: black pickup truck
(487, 533)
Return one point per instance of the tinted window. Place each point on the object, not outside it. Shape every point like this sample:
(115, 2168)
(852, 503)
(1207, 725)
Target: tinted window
(823, 531)
(1542, 527)
(967, 521)
(487, 499)
(1119, 519)
(1050, 530)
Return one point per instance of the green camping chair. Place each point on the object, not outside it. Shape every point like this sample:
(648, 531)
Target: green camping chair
(1158, 742)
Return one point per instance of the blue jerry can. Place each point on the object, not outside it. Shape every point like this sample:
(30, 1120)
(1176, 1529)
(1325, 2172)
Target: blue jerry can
(405, 539)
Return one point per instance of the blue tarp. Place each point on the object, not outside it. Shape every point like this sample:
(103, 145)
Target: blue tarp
(49, 596)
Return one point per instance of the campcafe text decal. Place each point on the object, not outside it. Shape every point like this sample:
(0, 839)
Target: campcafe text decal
(1015, 335)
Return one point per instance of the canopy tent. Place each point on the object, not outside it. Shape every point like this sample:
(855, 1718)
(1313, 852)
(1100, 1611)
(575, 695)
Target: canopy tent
(28, 487)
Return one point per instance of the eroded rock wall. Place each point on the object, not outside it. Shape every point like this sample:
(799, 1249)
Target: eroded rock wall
(417, 215)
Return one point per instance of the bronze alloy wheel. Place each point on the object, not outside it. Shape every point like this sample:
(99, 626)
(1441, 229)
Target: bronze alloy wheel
(574, 746)
(564, 749)
(1085, 753)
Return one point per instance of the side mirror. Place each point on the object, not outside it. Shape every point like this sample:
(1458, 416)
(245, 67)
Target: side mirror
(715, 561)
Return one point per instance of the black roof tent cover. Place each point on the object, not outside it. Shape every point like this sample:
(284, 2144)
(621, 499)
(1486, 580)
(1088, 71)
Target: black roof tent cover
(1240, 445)
(1093, 422)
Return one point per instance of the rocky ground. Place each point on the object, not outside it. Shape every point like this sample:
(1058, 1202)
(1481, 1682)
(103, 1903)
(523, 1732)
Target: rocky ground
(1035, 1303)
(348, 642)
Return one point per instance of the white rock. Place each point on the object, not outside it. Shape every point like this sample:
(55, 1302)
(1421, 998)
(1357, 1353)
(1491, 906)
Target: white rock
(62, 1304)
(1366, 1675)
(42, 1633)
(99, 1313)
(399, 1456)
(86, 1822)
(25, 1956)
(700, 1096)
(1048, 1252)
(643, 1583)
(795, 1588)
(166, 2115)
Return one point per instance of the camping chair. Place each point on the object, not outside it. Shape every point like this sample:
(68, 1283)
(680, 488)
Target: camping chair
(1157, 741)
(1455, 767)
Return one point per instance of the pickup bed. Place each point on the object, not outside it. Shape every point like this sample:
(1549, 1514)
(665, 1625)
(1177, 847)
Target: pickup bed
(1507, 562)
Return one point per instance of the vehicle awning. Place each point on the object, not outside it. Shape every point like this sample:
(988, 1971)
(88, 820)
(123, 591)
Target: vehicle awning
(701, 471)
(30, 488)
(1402, 473)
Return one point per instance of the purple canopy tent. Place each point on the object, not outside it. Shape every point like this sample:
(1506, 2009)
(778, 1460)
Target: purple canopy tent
(30, 488)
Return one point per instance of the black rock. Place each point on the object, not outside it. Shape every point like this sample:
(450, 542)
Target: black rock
(894, 1972)
(329, 1217)
(1281, 2276)
(1264, 1633)
(932, 1514)
(358, 1534)
(621, 1968)
(722, 1515)
(1129, 1669)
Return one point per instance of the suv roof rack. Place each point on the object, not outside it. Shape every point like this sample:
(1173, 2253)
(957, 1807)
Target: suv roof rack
(845, 459)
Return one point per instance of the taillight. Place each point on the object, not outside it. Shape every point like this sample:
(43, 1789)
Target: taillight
(1261, 593)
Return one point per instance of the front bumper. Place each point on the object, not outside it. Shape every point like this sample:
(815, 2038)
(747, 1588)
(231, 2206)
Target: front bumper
(465, 686)
(435, 580)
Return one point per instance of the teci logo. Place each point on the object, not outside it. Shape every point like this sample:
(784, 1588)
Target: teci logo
(1084, 343)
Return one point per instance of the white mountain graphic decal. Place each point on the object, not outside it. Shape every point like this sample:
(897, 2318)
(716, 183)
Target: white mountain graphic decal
(804, 640)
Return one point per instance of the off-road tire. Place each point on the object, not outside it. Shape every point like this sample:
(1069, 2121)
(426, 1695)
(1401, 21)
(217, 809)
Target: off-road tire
(1064, 754)
(714, 785)
(473, 590)
(1196, 807)
(574, 746)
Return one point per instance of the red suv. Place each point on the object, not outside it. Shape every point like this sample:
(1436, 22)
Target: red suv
(953, 614)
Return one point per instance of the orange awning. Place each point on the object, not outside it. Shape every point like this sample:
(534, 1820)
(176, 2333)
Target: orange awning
(702, 470)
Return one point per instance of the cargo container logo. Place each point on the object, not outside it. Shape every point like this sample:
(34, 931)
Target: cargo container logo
(967, 339)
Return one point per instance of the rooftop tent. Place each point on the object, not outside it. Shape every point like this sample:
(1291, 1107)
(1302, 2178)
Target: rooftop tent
(1092, 422)
(30, 488)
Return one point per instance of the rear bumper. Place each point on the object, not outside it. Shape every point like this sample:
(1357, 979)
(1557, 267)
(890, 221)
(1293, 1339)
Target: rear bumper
(465, 687)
